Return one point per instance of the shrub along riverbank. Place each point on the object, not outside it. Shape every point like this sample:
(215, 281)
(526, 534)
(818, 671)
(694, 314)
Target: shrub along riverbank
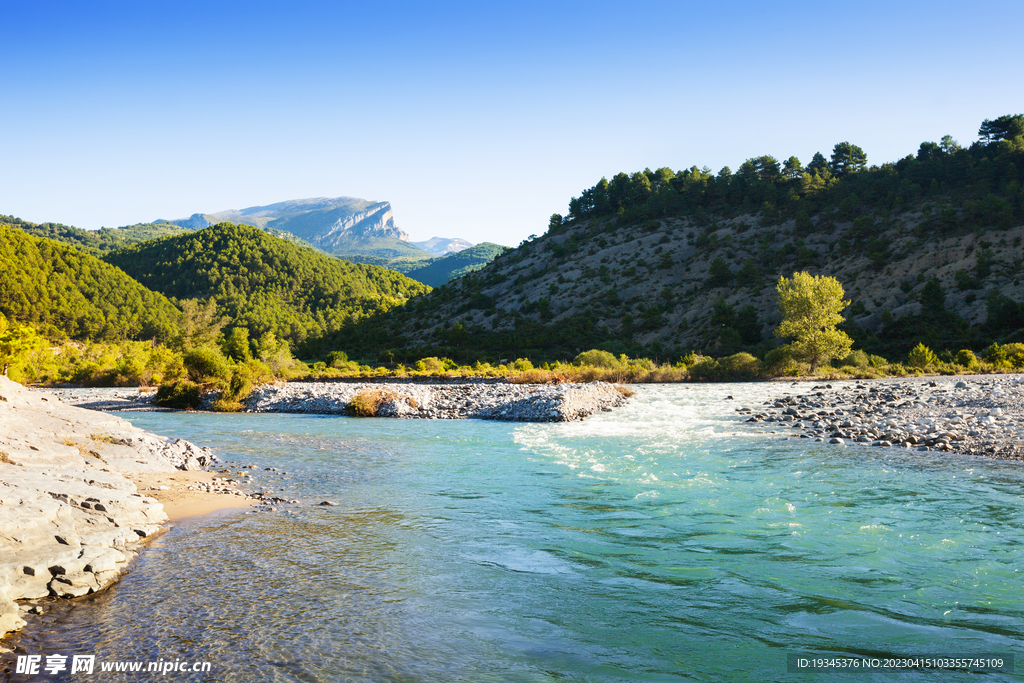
(231, 366)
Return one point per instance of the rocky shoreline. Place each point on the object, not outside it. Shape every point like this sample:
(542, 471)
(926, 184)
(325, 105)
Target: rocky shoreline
(71, 516)
(973, 416)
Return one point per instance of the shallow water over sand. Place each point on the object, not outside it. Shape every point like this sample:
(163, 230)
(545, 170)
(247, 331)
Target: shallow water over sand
(663, 541)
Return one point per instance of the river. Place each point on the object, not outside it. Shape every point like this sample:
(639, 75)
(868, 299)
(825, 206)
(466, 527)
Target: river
(664, 541)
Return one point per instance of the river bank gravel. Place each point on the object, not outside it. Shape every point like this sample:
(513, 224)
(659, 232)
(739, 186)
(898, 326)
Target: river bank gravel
(444, 401)
(979, 415)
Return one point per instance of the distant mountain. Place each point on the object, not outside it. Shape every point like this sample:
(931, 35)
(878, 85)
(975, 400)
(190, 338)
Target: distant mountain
(339, 225)
(357, 230)
(442, 246)
(265, 284)
(64, 291)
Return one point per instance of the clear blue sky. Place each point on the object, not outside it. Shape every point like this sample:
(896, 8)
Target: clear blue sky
(477, 120)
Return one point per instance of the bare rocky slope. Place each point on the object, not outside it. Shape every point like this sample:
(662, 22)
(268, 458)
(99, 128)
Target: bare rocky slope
(70, 518)
(654, 285)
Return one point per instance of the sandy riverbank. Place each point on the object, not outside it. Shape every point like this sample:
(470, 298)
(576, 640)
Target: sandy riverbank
(176, 492)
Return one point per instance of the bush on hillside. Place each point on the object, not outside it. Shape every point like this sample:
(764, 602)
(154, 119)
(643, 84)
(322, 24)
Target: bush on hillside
(430, 366)
(740, 366)
(878, 362)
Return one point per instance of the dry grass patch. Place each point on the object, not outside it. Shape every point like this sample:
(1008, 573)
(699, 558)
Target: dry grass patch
(367, 403)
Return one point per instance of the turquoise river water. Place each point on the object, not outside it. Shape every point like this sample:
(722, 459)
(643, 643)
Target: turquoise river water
(663, 541)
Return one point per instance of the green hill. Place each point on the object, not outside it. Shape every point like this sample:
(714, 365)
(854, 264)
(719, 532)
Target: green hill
(401, 264)
(663, 262)
(437, 270)
(264, 283)
(447, 268)
(66, 292)
(96, 242)
(106, 240)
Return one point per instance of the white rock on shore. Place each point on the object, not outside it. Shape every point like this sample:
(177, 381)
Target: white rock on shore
(70, 521)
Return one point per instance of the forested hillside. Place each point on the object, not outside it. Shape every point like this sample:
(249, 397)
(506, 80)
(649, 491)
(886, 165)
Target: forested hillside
(96, 242)
(661, 262)
(263, 283)
(65, 292)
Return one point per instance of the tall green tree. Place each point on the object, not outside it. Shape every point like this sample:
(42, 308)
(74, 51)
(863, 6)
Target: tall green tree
(818, 165)
(929, 150)
(792, 168)
(764, 168)
(1003, 128)
(949, 145)
(554, 223)
(847, 158)
(236, 345)
(811, 307)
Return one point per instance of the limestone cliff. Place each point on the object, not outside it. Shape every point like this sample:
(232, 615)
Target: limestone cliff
(377, 220)
(337, 225)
